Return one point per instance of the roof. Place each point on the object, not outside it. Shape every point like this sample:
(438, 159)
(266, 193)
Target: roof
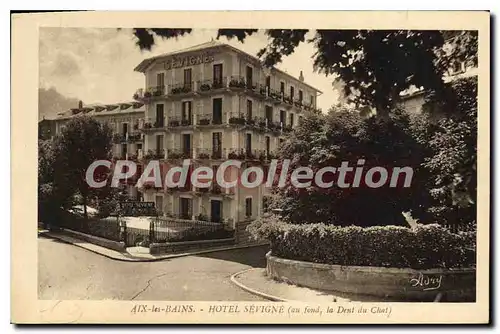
(143, 65)
(99, 109)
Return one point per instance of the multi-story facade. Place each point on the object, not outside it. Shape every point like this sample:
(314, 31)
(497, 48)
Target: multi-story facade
(126, 119)
(210, 103)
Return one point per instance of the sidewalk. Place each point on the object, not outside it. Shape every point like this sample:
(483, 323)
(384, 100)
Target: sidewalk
(132, 254)
(256, 282)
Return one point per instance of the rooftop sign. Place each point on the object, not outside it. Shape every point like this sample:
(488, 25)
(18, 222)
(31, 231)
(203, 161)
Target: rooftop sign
(178, 62)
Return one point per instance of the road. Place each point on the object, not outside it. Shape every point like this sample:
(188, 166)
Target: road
(67, 272)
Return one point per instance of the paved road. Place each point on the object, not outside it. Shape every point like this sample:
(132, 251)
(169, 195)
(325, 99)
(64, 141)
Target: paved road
(68, 272)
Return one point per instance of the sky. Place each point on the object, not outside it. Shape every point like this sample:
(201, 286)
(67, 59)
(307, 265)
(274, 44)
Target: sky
(97, 65)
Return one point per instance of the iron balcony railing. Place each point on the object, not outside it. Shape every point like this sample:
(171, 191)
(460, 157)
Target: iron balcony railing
(184, 153)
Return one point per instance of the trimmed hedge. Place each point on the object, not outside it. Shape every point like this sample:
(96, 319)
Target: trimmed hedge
(425, 247)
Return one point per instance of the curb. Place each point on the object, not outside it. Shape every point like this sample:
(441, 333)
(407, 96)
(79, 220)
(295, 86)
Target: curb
(126, 257)
(253, 291)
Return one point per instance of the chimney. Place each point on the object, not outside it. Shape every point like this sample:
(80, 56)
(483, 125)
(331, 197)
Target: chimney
(80, 104)
(301, 76)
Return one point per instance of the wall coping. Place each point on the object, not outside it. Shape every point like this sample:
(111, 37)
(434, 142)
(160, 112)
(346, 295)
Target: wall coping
(388, 270)
(193, 242)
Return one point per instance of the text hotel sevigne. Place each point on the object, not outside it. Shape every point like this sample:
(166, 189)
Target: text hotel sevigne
(208, 103)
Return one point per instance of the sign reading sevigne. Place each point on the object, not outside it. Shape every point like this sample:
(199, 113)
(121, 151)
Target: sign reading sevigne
(178, 62)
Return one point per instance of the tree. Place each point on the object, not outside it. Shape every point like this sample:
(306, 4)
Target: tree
(345, 136)
(375, 66)
(449, 129)
(81, 142)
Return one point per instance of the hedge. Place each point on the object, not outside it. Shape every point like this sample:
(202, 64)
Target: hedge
(424, 247)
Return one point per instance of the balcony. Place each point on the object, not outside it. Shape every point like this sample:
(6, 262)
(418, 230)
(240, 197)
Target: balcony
(207, 86)
(244, 154)
(180, 154)
(184, 88)
(206, 154)
(119, 138)
(156, 154)
(207, 120)
(134, 137)
(154, 124)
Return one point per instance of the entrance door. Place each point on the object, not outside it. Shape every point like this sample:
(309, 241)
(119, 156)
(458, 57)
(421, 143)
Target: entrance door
(217, 111)
(216, 211)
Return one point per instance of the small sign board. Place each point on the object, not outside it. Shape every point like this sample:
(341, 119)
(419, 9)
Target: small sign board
(136, 209)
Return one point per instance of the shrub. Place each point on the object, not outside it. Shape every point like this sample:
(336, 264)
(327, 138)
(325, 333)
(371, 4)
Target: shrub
(427, 246)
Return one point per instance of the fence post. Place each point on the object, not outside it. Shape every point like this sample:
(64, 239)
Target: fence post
(151, 231)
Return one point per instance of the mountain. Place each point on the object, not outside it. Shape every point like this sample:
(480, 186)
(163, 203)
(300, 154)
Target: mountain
(51, 102)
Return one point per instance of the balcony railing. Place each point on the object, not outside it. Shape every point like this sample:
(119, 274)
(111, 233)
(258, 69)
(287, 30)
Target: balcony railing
(134, 137)
(208, 119)
(154, 154)
(206, 153)
(119, 138)
(182, 88)
(154, 123)
(180, 154)
(209, 85)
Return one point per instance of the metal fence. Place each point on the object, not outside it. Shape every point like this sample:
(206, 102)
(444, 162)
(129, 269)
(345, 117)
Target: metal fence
(170, 230)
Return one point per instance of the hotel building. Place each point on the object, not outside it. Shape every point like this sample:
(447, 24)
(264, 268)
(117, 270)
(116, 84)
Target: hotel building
(208, 103)
(211, 103)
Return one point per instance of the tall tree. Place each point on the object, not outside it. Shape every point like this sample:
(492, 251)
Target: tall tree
(375, 66)
(345, 136)
(82, 141)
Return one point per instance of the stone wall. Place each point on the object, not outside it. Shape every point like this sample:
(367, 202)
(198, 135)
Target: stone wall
(183, 246)
(403, 284)
(111, 244)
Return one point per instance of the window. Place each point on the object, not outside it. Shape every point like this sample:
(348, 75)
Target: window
(268, 81)
(187, 78)
(160, 79)
(124, 151)
(291, 92)
(159, 144)
(249, 109)
(217, 111)
(217, 145)
(269, 114)
(160, 117)
(186, 145)
(185, 208)
(187, 117)
(312, 100)
(268, 144)
(291, 120)
(248, 207)
(301, 95)
(265, 170)
(124, 128)
(283, 117)
(249, 77)
(266, 201)
(217, 76)
(282, 87)
(248, 143)
(159, 204)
